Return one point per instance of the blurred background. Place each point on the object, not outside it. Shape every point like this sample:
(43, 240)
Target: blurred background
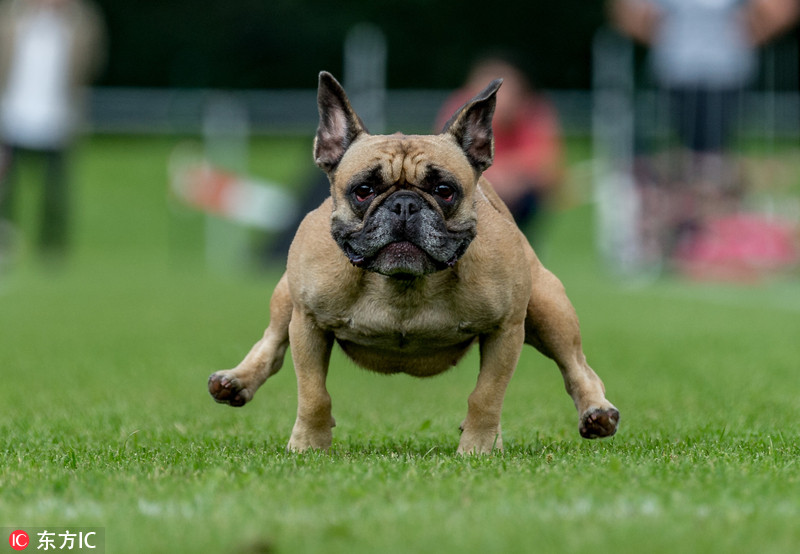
(210, 111)
(157, 155)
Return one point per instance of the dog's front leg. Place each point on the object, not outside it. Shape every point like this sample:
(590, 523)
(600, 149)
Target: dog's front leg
(499, 356)
(311, 352)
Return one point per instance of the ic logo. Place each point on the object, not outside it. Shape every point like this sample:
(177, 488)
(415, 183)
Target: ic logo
(19, 540)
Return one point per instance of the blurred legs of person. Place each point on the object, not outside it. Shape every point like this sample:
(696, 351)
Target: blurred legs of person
(53, 238)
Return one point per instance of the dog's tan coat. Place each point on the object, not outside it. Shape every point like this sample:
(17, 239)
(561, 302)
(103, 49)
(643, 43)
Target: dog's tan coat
(498, 294)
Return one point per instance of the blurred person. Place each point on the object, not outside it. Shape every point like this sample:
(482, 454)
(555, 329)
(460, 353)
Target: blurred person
(528, 164)
(703, 54)
(49, 52)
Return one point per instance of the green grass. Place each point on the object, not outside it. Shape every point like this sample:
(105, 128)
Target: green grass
(106, 421)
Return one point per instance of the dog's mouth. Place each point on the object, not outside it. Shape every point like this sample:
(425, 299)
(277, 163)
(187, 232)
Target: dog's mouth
(402, 259)
(401, 250)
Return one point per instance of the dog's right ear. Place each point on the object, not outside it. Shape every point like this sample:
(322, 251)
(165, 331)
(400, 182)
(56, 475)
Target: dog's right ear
(339, 125)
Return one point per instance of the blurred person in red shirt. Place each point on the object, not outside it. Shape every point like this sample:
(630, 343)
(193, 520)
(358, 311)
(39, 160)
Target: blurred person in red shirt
(528, 164)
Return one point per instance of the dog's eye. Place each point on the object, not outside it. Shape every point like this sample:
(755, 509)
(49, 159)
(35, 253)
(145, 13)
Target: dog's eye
(444, 192)
(364, 192)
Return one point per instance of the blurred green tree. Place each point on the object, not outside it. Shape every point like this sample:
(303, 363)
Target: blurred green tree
(284, 43)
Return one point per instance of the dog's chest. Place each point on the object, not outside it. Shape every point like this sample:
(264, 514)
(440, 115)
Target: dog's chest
(412, 322)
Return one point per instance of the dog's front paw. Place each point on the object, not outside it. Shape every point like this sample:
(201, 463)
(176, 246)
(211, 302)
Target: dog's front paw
(597, 423)
(226, 388)
(305, 437)
(480, 442)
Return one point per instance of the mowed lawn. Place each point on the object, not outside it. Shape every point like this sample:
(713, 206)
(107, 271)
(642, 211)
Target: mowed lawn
(105, 420)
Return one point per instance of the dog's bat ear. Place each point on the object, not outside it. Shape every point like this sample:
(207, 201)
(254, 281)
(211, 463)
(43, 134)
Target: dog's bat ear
(471, 126)
(339, 125)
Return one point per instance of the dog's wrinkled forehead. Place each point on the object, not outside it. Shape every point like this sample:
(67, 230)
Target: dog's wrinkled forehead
(404, 159)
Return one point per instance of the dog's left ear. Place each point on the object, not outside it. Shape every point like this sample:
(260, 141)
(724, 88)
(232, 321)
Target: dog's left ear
(471, 126)
(339, 125)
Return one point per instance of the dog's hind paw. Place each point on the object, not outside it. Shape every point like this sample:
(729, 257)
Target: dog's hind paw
(599, 422)
(228, 389)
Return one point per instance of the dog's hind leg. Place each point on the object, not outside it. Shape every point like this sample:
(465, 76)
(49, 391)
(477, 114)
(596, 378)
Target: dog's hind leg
(552, 327)
(237, 386)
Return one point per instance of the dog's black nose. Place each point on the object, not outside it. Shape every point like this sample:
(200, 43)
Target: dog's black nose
(404, 204)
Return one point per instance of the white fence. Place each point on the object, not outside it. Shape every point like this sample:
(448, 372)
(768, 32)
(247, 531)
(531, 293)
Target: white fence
(282, 112)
